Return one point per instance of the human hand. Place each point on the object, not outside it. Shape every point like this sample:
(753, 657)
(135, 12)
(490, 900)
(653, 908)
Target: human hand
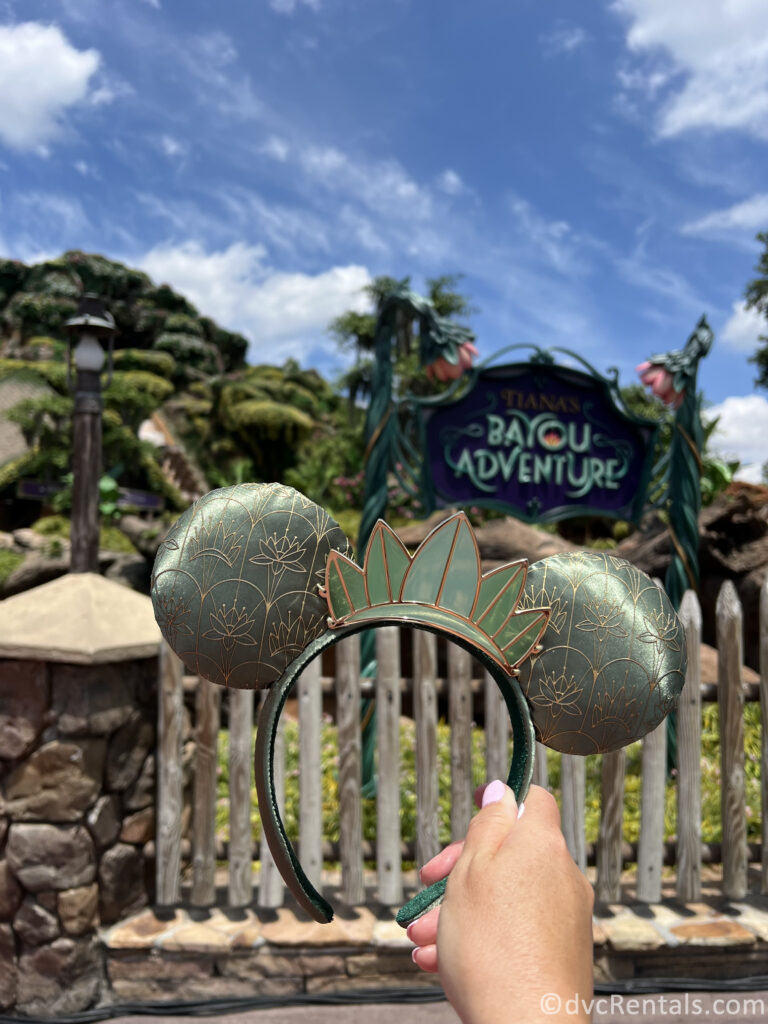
(515, 925)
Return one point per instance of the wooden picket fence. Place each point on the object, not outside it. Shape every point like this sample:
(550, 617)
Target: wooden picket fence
(650, 851)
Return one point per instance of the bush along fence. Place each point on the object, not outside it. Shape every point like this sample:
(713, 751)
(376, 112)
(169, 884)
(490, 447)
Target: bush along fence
(176, 841)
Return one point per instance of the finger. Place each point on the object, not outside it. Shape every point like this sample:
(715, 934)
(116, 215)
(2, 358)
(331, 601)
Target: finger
(478, 794)
(541, 806)
(423, 931)
(441, 865)
(488, 829)
(425, 957)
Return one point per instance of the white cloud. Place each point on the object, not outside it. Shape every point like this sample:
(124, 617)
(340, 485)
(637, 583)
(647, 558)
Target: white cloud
(212, 60)
(450, 182)
(41, 75)
(718, 52)
(109, 89)
(290, 6)
(734, 222)
(289, 228)
(277, 148)
(741, 432)
(383, 186)
(552, 238)
(564, 38)
(284, 314)
(669, 284)
(172, 147)
(363, 231)
(743, 328)
(44, 212)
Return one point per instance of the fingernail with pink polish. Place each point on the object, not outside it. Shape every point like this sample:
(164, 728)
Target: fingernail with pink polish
(494, 792)
(414, 951)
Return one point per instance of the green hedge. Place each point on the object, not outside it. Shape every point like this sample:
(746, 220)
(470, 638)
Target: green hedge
(710, 768)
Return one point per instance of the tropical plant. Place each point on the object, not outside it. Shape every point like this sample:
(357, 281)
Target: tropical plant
(46, 423)
(354, 331)
(716, 473)
(259, 417)
(756, 296)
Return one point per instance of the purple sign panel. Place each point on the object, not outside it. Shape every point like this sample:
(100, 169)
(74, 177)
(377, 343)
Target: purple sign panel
(543, 442)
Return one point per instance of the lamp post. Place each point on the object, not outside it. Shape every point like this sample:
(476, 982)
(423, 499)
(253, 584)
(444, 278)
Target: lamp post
(91, 324)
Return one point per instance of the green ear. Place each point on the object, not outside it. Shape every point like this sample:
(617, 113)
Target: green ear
(613, 659)
(235, 584)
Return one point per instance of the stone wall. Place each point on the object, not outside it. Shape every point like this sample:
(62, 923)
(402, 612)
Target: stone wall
(77, 806)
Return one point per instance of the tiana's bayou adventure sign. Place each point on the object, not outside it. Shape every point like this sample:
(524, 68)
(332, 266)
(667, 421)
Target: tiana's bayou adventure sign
(540, 440)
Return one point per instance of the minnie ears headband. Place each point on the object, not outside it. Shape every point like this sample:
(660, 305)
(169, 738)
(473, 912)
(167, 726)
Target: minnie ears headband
(253, 581)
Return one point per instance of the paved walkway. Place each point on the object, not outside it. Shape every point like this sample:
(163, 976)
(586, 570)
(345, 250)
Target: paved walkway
(379, 1013)
(669, 1008)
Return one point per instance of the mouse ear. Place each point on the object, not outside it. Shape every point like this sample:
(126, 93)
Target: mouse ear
(612, 660)
(235, 582)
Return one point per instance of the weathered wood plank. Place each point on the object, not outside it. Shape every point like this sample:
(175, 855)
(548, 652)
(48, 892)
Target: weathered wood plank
(310, 777)
(731, 704)
(540, 770)
(207, 704)
(271, 886)
(350, 769)
(650, 852)
(689, 757)
(764, 730)
(573, 790)
(425, 715)
(240, 761)
(460, 715)
(608, 888)
(496, 731)
(169, 776)
(388, 786)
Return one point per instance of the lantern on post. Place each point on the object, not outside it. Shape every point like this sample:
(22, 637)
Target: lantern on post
(87, 330)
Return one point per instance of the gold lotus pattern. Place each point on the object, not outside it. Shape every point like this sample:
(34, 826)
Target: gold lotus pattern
(235, 582)
(612, 659)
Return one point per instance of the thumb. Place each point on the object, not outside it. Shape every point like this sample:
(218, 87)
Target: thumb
(498, 814)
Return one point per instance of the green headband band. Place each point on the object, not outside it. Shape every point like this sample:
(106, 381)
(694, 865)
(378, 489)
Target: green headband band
(254, 581)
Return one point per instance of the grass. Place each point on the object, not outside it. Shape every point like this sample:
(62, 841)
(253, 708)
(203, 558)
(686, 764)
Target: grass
(9, 560)
(710, 770)
(110, 537)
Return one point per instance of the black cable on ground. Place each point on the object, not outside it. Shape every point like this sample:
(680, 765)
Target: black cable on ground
(214, 1007)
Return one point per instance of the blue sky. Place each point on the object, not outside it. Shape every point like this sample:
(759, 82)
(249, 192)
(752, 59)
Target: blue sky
(597, 171)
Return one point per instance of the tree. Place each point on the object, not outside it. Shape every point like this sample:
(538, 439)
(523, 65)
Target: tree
(356, 331)
(757, 298)
(715, 474)
(46, 422)
(252, 423)
(38, 300)
(162, 345)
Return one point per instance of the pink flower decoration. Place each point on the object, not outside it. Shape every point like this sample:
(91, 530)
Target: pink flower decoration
(441, 369)
(661, 383)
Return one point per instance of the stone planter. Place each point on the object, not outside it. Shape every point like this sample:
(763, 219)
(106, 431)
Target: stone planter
(78, 712)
